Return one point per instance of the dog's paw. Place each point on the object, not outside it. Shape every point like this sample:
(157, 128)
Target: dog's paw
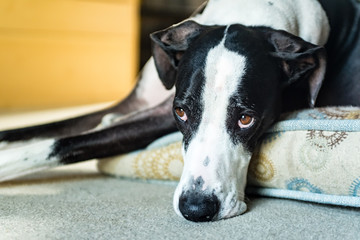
(19, 161)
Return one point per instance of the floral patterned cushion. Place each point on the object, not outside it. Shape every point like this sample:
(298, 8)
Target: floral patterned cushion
(311, 155)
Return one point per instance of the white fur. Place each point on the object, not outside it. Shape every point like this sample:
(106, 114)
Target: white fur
(303, 18)
(151, 90)
(225, 172)
(8, 145)
(4, 145)
(20, 161)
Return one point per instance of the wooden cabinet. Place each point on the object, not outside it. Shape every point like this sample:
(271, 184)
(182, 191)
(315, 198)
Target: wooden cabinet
(66, 52)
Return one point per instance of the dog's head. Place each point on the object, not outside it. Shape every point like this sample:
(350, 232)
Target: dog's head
(230, 83)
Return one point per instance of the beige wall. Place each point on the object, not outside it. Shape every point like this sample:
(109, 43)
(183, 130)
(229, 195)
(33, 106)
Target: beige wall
(66, 52)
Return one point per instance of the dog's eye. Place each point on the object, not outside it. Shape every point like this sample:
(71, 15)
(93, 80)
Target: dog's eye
(245, 121)
(181, 113)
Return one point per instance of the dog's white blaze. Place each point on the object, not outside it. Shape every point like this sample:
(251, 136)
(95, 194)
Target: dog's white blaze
(226, 164)
(223, 73)
(20, 161)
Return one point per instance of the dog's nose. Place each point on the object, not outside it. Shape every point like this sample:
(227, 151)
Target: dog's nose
(198, 207)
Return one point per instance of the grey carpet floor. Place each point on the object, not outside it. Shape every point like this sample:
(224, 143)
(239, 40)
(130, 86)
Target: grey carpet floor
(76, 202)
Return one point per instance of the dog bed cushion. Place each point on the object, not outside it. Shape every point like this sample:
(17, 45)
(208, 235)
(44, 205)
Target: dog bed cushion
(311, 155)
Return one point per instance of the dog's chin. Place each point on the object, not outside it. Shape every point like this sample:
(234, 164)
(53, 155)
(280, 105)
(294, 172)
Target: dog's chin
(240, 208)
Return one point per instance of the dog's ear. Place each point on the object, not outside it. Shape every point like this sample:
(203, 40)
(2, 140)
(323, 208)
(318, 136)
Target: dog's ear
(300, 60)
(168, 47)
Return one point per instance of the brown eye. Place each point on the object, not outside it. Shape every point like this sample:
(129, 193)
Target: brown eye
(181, 114)
(245, 121)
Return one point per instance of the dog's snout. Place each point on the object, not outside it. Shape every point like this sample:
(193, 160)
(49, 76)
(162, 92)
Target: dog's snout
(198, 206)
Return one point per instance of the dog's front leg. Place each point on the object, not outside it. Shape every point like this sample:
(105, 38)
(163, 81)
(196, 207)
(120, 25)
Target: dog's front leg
(134, 132)
(148, 92)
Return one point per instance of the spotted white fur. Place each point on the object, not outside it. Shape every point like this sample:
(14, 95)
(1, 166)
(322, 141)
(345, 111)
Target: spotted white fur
(23, 160)
(211, 154)
(8, 145)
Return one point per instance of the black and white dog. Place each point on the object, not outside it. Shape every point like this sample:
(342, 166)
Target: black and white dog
(236, 66)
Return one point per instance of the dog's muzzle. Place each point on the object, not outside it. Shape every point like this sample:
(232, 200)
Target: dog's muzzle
(214, 191)
(200, 203)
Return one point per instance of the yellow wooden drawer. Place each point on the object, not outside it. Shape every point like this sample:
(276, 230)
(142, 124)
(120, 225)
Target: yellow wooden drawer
(66, 52)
